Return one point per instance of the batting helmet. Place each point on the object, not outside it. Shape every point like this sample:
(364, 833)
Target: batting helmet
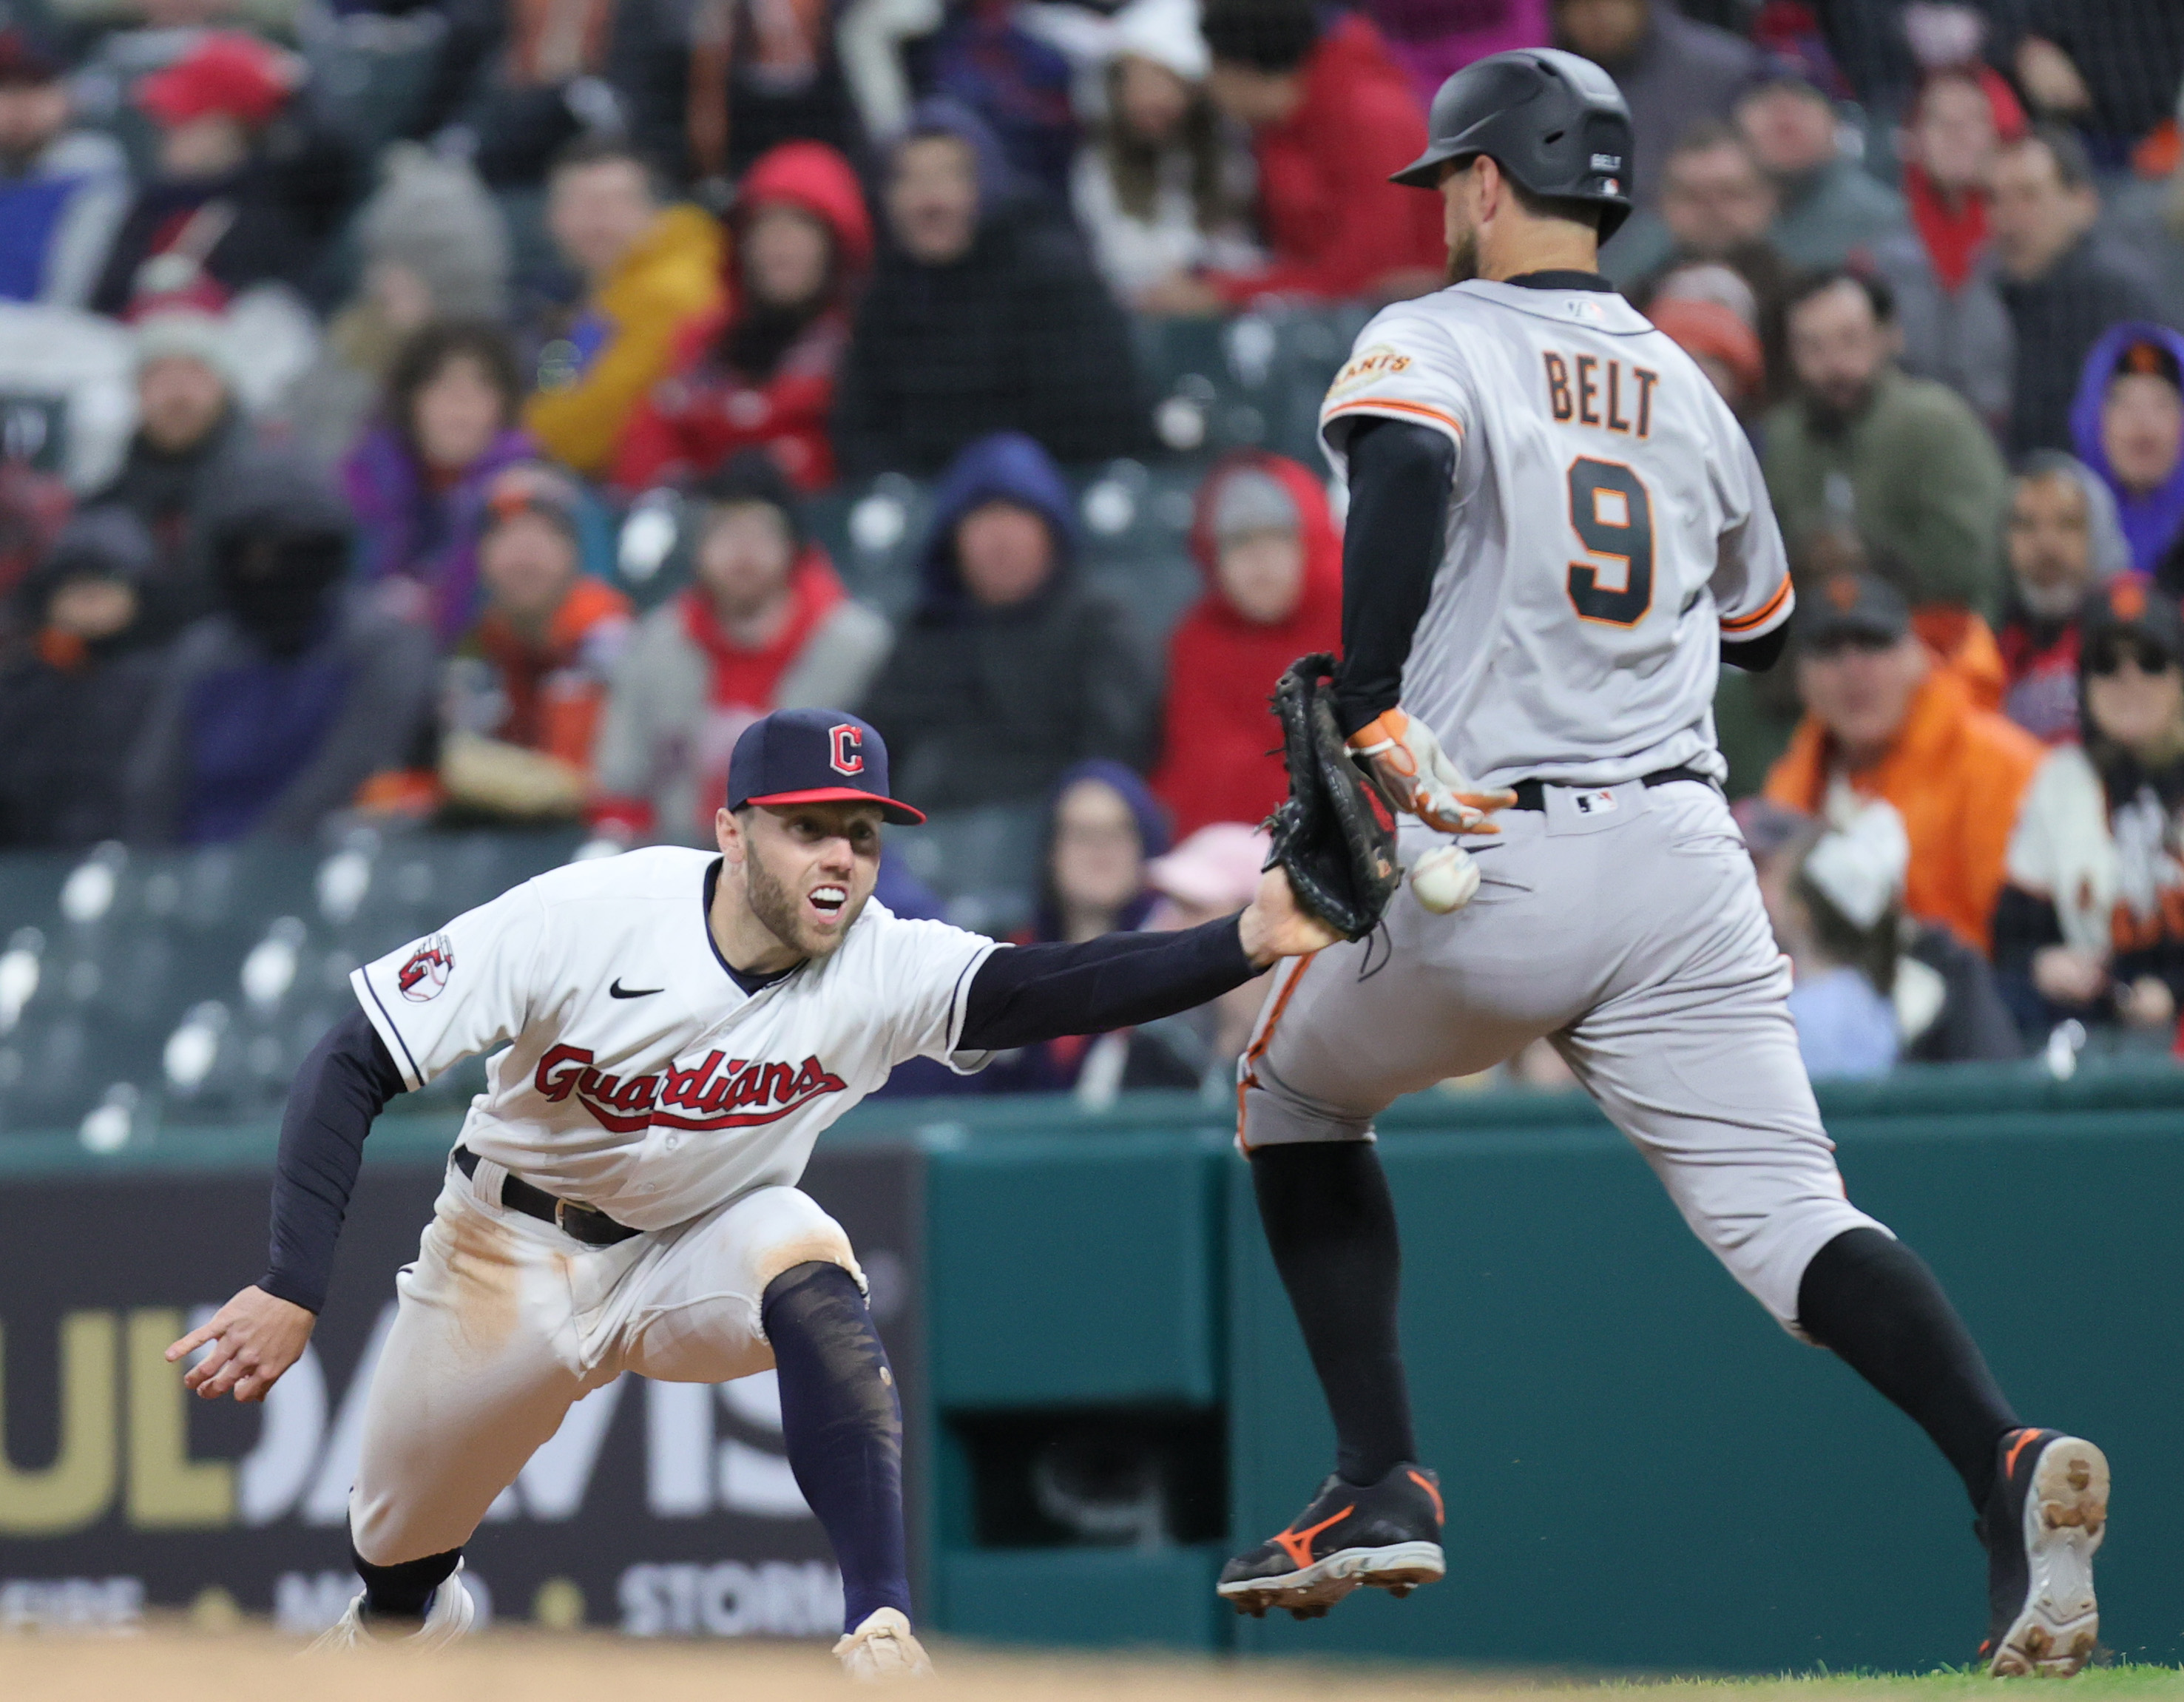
(1555, 122)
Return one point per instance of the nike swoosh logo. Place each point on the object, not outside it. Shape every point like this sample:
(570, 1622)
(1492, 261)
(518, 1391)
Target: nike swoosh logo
(619, 992)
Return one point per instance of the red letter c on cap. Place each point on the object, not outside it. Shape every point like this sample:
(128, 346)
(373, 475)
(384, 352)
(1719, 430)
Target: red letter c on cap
(844, 742)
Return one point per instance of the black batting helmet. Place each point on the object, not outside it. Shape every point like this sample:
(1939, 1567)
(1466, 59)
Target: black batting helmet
(1555, 122)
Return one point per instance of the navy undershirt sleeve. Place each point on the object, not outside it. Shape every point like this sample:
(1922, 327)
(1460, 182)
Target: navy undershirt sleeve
(346, 1082)
(1401, 478)
(1757, 655)
(1028, 994)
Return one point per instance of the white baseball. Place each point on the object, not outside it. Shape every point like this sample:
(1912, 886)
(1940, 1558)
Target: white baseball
(1445, 879)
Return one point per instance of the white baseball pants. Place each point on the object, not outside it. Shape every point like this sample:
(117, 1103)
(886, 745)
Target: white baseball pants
(504, 1322)
(1624, 925)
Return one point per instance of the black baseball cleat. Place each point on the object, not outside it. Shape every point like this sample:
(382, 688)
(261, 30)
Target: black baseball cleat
(2046, 1515)
(1387, 1535)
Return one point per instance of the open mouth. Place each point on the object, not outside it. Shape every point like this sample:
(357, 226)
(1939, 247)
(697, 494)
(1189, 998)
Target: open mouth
(830, 901)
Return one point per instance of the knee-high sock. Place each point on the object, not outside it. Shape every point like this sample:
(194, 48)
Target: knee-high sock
(1874, 1302)
(1330, 1224)
(841, 1421)
(403, 1590)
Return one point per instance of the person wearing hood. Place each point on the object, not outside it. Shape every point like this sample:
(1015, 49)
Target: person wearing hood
(646, 268)
(271, 714)
(765, 626)
(1331, 115)
(2063, 543)
(758, 370)
(2090, 923)
(1010, 668)
(1272, 557)
(190, 428)
(2127, 423)
(71, 706)
(984, 315)
(1160, 190)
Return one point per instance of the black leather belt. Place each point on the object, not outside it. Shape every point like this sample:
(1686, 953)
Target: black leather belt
(581, 1223)
(1532, 795)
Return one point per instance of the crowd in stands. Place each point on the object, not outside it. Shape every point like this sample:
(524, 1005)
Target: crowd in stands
(444, 416)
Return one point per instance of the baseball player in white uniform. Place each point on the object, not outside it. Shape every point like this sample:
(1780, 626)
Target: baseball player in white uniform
(669, 1032)
(1558, 533)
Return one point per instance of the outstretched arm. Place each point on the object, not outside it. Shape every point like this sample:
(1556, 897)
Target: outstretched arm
(1028, 994)
(344, 1084)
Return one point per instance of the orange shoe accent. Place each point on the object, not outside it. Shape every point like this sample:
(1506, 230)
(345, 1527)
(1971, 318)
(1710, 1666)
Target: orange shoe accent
(1426, 1483)
(1297, 1544)
(2009, 1460)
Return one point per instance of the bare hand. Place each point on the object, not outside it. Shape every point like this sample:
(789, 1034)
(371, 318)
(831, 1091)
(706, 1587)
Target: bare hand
(1275, 925)
(2051, 77)
(2148, 1003)
(254, 1337)
(2068, 976)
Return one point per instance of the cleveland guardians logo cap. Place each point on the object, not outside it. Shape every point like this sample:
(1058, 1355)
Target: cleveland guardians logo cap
(814, 757)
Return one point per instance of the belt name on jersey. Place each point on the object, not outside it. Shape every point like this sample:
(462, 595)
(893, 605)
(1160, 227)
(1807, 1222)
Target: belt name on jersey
(720, 1093)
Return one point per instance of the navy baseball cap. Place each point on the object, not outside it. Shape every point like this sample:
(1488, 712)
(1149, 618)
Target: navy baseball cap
(814, 757)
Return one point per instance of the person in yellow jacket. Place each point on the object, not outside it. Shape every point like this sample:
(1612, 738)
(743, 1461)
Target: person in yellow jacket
(646, 268)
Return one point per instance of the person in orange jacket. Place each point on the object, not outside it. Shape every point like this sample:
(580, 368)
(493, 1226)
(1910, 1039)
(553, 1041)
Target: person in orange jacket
(1885, 719)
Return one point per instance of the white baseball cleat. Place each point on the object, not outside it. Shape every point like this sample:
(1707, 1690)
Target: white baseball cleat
(450, 1615)
(2046, 1514)
(883, 1649)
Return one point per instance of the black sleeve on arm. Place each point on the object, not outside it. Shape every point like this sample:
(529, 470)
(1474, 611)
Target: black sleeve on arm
(1757, 655)
(1400, 475)
(1026, 994)
(345, 1082)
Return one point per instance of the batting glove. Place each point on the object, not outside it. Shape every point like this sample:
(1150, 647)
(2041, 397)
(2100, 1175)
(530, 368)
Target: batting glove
(1414, 774)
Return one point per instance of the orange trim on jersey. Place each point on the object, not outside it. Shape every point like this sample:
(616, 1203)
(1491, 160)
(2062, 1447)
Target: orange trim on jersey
(1257, 1049)
(1761, 616)
(1379, 405)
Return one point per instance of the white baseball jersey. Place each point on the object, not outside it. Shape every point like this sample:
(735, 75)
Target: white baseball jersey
(638, 1077)
(1608, 526)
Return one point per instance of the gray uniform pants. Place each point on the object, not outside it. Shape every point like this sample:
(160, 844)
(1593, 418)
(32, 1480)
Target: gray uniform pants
(1624, 925)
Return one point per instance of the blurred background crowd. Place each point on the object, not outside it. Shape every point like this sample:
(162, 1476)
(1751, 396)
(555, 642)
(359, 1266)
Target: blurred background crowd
(430, 434)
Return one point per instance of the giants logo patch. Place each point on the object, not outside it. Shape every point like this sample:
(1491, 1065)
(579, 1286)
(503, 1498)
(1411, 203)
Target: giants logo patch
(427, 970)
(1379, 361)
(720, 1093)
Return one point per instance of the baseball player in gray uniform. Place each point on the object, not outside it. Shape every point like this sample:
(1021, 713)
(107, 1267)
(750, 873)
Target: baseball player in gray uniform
(1557, 535)
(669, 1032)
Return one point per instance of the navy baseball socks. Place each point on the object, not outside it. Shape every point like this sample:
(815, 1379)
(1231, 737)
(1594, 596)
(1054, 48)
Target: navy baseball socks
(841, 1422)
(417, 1604)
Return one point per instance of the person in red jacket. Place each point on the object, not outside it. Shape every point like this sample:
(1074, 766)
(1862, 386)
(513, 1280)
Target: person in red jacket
(1271, 556)
(1331, 115)
(758, 372)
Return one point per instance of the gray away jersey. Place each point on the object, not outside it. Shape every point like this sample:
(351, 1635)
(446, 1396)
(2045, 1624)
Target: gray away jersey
(1608, 526)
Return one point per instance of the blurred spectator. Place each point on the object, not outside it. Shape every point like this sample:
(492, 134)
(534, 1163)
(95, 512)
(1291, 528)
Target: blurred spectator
(982, 316)
(2127, 425)
(762, 73)
(1433, 40)
(1955, 327)
(71, 705)
(1214, 873)
(1331, 115)
(2092, 922)
(1160, 191)
(1272, 558)
(2112, 67)
(271, 714)
(1830, 208)
(218, 214)
(1863, 447)
(758, 370)
(2062, 286)
(418, 479)
(1715, 206)
(1672, 71)
(62, 189)
(432, 245)
(2063, 543)
(189, 431)
(1102, 825)
(766, 626)
(1881, 720)
(983, 58)
(647, 269)
(1011, 669)
(526, 690)
(1726, 349)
